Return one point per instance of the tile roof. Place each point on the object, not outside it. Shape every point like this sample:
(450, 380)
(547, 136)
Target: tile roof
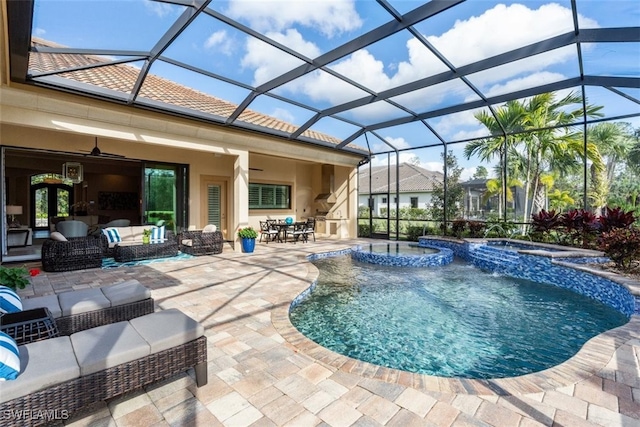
(413, 179)
(122, 78)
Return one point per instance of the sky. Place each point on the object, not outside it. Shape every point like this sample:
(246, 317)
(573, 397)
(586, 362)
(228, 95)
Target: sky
(463, 34)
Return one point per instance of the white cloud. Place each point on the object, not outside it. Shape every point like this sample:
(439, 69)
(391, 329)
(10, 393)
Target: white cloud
(497, 30)
(282, 114)
(531, 80)
(40, 32)
(405, 157)
(502, 29)
(328, 17)
(219, 41)
(159, 9)
(269, 62)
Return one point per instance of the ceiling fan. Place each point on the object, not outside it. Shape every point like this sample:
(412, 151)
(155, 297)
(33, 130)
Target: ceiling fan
(96, 152)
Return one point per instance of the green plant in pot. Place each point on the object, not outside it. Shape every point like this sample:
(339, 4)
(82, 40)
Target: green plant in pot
(248, 236)
(146, 236)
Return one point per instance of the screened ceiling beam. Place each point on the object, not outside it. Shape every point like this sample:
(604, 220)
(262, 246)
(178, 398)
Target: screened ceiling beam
(417, 15)
(85, 51)
(167, 38)
(86, 67)
(551, 87)
(19, 24)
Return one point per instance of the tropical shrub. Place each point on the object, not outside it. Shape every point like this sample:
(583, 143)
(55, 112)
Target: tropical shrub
(580, 226)
(544, 223)
(364, 230)
(476, 228)
(615, 218)
(457, 227)
(413, 232)
(622, 246)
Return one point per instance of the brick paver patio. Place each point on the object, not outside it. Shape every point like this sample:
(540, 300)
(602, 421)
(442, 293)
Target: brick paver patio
(262, 372)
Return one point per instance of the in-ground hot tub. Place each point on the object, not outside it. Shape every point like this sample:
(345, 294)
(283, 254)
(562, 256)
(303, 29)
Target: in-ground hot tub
(402, 255)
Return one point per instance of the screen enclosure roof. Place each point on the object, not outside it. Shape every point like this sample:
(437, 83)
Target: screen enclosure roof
(359, 76)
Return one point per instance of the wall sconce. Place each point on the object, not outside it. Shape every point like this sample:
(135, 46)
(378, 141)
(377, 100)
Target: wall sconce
(72, 171)
(14, 210)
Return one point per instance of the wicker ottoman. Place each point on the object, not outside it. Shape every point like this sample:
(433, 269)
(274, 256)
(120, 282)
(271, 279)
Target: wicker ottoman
(136, 252)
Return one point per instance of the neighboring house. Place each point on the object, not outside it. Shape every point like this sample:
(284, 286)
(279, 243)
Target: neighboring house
(477, 205)
(416, 185)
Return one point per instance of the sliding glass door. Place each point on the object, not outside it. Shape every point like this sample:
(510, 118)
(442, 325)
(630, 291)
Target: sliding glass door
(165, 195)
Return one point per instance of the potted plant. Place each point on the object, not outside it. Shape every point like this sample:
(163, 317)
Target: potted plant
(248, 236)
(146, 236)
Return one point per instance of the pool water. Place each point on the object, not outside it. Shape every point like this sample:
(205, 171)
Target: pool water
(454, 321)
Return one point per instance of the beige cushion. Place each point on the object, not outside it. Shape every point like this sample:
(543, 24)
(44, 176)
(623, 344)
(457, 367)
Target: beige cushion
(107, 346)
(136, 232)
(126, 292)
(187, 242)
(57, 236)
(125, 234)
(82, 301)
(209, 228)
(49, 301)
(42, 364)
(167, 328)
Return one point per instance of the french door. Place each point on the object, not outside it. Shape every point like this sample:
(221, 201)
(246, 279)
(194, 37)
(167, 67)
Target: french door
(49, 200)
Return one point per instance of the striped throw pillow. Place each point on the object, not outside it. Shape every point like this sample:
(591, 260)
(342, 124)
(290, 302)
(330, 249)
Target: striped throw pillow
(9, 358)
(113, 236)
(9, 300)
(157, 234)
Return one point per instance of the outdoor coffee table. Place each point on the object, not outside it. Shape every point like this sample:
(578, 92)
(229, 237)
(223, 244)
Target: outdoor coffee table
(125, 252)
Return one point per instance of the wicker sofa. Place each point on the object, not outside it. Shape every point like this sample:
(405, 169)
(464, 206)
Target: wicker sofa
(65, 375)
(75, 311)
(76, 253)
(201, 242)
(132, 236)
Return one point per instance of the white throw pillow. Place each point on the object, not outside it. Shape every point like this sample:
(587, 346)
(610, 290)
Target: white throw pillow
(157, 234)
(209, 228)
(9, 300)
(58, 237)
(9, 358)
(113, 236)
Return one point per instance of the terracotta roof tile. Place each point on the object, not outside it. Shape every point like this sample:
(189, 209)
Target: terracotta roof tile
(412, 179)
(122, 78)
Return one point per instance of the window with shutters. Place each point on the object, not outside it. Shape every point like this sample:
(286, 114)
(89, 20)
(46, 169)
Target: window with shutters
(269, 196)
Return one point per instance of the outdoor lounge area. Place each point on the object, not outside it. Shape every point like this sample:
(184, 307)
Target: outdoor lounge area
(230, 213)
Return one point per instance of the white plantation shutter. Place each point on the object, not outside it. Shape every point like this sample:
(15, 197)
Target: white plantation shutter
(269, 196)
(213, 205)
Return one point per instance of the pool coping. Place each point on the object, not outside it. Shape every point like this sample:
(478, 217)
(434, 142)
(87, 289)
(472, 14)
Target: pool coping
(588, 361)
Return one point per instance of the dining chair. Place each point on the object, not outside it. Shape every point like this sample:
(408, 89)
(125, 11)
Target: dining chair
(311, 228)
(268, 231)
(299, 230)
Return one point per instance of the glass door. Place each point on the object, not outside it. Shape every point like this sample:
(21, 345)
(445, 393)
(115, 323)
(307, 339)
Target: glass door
(50, 197)
(165, 189)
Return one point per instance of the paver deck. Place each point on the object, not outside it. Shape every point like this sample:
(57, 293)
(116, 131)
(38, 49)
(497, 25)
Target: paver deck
(263, 372)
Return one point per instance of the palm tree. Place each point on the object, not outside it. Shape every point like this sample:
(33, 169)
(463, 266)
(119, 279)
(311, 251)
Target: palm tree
(615, 143)
(548, 146)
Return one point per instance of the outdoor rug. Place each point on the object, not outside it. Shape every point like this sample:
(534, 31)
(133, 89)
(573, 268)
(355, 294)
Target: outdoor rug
(111, 263)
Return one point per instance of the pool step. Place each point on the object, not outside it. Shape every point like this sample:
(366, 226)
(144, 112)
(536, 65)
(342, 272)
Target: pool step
(494, 259)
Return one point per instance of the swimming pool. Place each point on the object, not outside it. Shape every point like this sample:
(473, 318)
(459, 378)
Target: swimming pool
(454, 321)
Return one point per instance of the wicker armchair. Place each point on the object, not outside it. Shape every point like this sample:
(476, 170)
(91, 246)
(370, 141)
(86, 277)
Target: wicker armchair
(197, 242)
(78, 253)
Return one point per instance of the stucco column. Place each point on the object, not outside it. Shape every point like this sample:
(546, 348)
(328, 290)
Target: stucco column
(240, 196)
